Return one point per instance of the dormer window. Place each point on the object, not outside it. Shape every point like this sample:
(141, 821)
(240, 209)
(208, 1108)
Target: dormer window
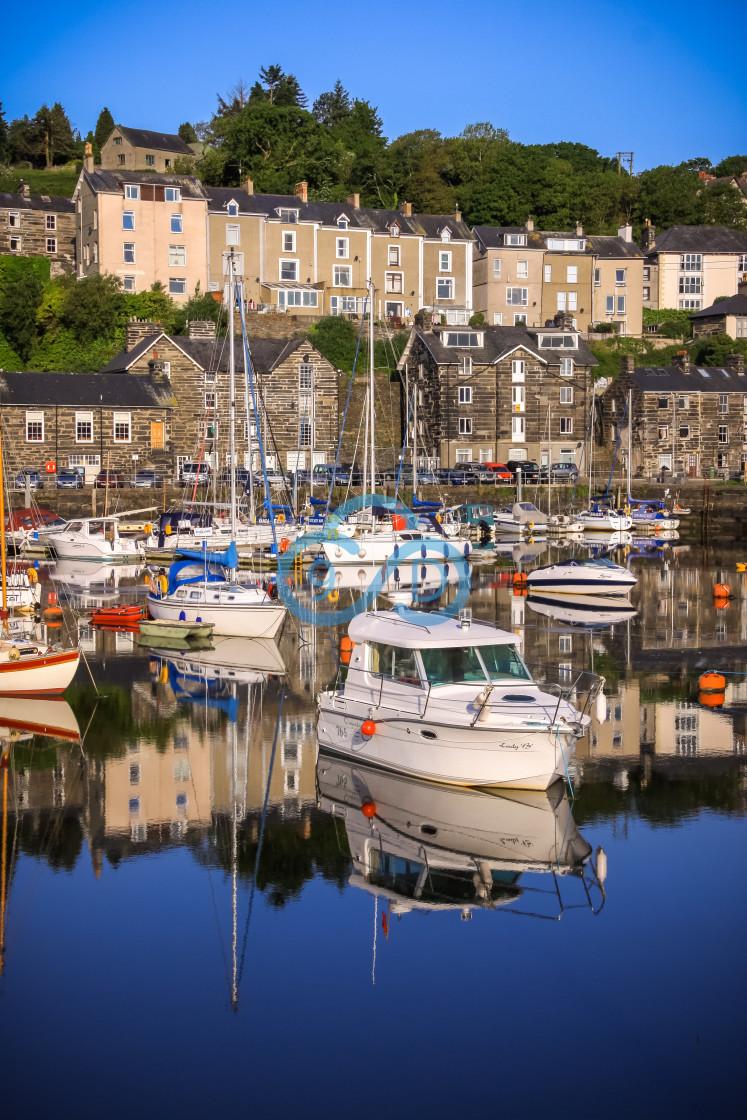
(564, 341)
(233, 209)
(394, 230)
(132, 191)
(514, 239)
(567, 244)
(463, 338)
(446, 234)
(288, 217)
(342, 222)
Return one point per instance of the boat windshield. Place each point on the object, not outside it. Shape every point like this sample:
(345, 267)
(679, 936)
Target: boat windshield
(467, 664)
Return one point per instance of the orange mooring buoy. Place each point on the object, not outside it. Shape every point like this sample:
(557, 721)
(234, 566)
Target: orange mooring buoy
(721, 591)
(711, 681)
(520, 579)
(711, 699)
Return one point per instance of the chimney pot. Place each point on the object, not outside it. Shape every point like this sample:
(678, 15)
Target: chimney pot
(405, 208)
(88, 156)
(302, 191)
(682, 361)
(529, 225)
(248, 185)
(457, 214)
(24, 189)
(579, 229)
(626, 232)
(354, 200)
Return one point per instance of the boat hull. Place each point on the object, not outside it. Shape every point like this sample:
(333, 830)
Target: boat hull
(260, 621)
(379, 548)
(455, 755)
(48, 673)
(104, 552)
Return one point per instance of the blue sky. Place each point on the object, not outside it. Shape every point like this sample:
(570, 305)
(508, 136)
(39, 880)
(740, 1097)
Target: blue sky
(656, 78)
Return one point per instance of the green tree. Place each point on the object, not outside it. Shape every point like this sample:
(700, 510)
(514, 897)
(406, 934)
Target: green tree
(269, 80)
(3, 136)
(334, 107)
(19, 302)
(23, 144)
(91, 307)
(732, 165)
(668, 196)
(199, 307)
(61, 138)
(722, 204)
(104, 127)
(187, 133)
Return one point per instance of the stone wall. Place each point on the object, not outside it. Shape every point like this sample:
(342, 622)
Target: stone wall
(33, 233)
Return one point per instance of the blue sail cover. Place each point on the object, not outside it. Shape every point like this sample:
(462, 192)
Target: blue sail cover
(417, 504)
(229, 558)
(203, 566)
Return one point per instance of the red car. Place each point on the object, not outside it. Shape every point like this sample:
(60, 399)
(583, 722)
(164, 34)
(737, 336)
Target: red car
(116, 480)
(499, 470)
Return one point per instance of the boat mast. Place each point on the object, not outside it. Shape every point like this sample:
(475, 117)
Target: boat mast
(232, 394)
(630, 440)
(415, 440)
(249, 443)
(2, 538)
(371, 391)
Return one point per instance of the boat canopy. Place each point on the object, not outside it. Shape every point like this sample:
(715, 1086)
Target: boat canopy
(212, 566)
(525, 513)
(436, 630)
(417, 504)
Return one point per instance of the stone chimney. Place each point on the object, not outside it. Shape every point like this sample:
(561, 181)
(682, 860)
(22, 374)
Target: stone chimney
(302, 190)
(564, 319)
(682, 361)
(735, 362)
(529, 225)
(248, 185)
(354, 200)
(648, 236)
(23, 189)
(457, 214)
(626, 232)
(138, 329)
(627, 363)
(405, 208)
(88, 156)
(579, 230)
(201, 328)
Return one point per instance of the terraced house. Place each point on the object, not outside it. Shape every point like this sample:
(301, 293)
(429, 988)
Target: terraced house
(38, 225)
(496, 393)
(687, 421)
(142, 228)
(690, 267)
(526, 276)
(315, 258)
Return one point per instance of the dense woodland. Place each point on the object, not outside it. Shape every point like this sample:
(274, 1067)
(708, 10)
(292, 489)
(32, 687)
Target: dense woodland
(269, 131)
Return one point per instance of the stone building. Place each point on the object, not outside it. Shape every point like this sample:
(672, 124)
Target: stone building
(726, 316)
(686, 421)
(496, 393)
(138, 149)
(296, 394)
(38, 225)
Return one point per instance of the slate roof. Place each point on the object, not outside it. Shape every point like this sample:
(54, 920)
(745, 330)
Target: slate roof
(212, 354)
(160, 141)
(44, 202)
(492, 237)
(83, 390)
(700, 239)
(112, 182)
(734, 305)
(327, 213)
(498, 343)
(668, 379)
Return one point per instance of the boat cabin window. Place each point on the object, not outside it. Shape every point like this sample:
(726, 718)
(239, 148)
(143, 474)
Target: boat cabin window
(467, 664)
(76, 526)
(400, 665)
(195, 594)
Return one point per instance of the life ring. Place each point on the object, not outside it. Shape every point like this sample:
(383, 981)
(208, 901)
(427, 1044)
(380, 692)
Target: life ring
(280, 519)
(284, 544)
(32, 575)
(333, 595)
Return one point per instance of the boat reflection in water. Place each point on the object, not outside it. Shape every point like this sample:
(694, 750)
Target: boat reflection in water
(426, 847)
(585, 611)
(22, 717)
(202, 675)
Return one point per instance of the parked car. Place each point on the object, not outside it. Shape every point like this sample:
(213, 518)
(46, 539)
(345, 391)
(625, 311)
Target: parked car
(499, 471)
(147, 479)
(530, 471)
(242, 476)
(196, 472)
(559, 472)
(35, 480)
(454, 476)
(114, 479)
(69, 479)
(427, 477)
(480, 473)
(275, 477)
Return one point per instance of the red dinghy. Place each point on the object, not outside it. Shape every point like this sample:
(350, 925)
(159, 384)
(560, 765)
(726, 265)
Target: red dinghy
(117, 616)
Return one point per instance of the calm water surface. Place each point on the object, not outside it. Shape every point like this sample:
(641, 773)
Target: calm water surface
(200, 919)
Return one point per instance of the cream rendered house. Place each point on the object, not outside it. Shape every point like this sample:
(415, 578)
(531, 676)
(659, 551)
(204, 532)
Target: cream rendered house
(689, 267)
(142, 228)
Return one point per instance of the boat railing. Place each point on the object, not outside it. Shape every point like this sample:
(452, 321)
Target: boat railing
(585, 683)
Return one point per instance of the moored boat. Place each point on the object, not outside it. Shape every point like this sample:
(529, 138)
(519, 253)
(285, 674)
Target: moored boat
(595, 575)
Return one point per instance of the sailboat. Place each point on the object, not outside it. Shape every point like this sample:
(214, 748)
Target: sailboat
(28, 666)
(201, 587)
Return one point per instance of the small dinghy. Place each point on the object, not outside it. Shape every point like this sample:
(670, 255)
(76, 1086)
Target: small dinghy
(156, 629)
(117, 616)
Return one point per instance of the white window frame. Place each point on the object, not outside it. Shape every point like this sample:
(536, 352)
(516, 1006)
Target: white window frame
(560, 301)
(520, 318)
(233, 233)
(518, 370)
(723, 404)
(338, 282)
(128, 214)
(177, 285)
(122, 420)
(518, 398)
(573, 301)
(518, 429)
(34, 418)
(238, 262)
(233, 209)
(571, 274)
(497, 318)
(391, 280)
(691, 262)
(496, 268)
(444, 260)
(523, 300)
(132, 191)
(51, 244)
(566, 394)
(548, 273)
(566, 367)
(620, 277)
(597, 277)
(514, 239)
(129, 284)
(620, 308)
(128, 247)
(465, 394)
(83, 418)
(50, 221)
(609, 305)
(342, 248)
(444, 284)
(298, 297)
(522, 270)
(172, 194)
(288, 238)
(179, 219)
(465, 425)
(177, 256)
(15, 243)
(465, 366)
(288, 264)
(393, 257)
(14, 220)
(566, 425)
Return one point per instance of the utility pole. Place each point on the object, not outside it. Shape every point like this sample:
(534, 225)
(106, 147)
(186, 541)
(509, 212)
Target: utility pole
(627, 159)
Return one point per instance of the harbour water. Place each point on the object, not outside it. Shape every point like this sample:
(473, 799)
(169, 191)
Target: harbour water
(199, 916)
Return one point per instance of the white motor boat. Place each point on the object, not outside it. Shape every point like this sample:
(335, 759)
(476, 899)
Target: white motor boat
(376, 548)
(431, 848)
(94, 538)
(595, 575)
(602, 519)
(564, 525)
(450, 701)
(522, 517)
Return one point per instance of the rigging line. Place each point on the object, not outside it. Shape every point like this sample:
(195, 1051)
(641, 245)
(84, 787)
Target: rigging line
(345, 413)
(261, 835)
(402, 456)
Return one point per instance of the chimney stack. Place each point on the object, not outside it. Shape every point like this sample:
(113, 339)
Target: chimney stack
(201, 328)
(302, 190)
(736, 362)
(24, 190)
(648, 236)
(354, 200)
(457, 214)
(88, 156)
(626, 232)
(579, 230)
(405, 208)
(529, 225)
(682, 361)
(627, 363)
(139, 329)
(248, 185)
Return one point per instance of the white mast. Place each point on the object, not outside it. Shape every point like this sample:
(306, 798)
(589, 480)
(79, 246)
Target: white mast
(371, 390)
(249, 414)
(232, 396)
(415, 439)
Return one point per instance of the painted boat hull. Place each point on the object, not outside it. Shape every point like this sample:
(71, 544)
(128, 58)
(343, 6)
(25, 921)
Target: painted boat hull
(103, 552)
(260, 621)
(377, 549)
(51, 672)
(455, 755)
